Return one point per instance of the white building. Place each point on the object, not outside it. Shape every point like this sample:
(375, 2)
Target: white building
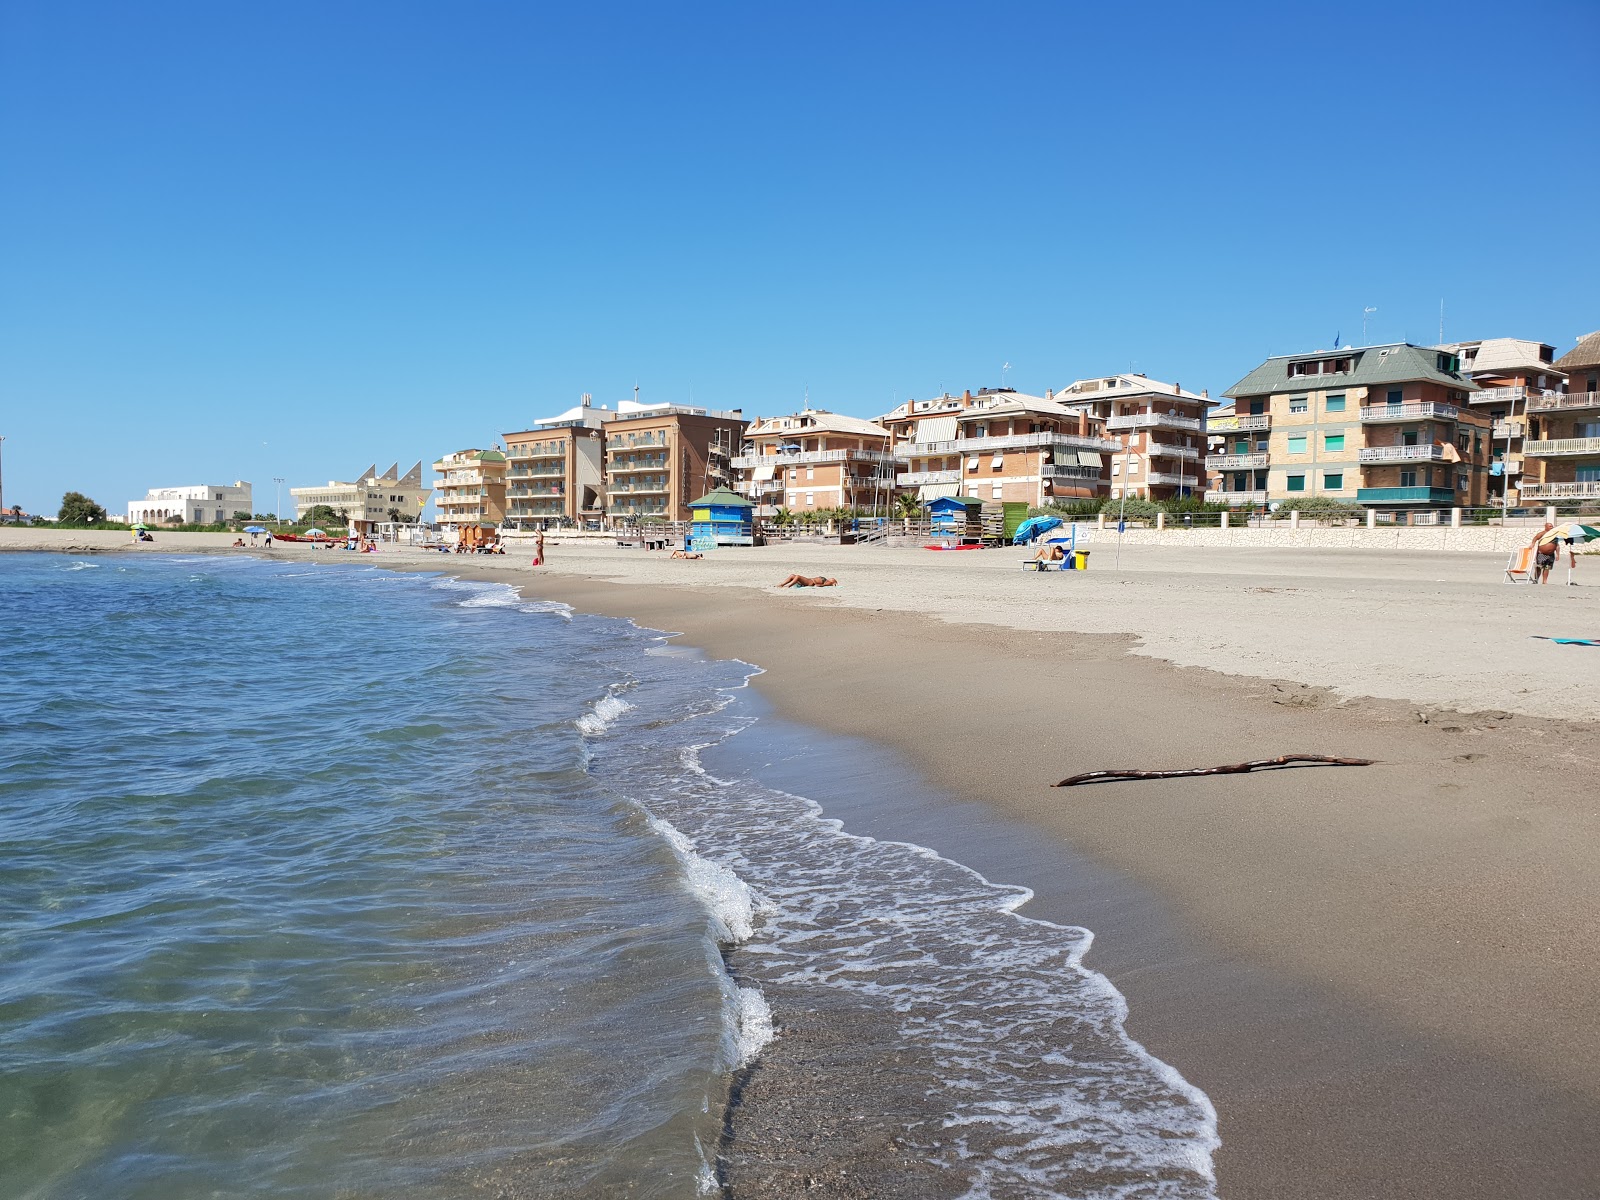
(368, 500)
(202, 504)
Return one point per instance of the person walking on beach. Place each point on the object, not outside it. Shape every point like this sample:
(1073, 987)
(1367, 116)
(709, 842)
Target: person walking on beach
(269, 539)
(538, 549)
(1546, 548)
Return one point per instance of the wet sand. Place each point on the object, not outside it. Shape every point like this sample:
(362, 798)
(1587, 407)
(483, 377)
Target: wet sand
(1382, 976)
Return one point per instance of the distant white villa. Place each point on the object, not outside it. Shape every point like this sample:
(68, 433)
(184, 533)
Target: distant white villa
(200, 504)
(369, 499)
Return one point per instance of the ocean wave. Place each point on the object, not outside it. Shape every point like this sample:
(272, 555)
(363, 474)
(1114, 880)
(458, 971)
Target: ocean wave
(499, 595)
(602, 716)
(80, 565)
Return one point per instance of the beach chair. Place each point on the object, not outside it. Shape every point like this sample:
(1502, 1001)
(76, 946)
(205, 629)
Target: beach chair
(1519, 567)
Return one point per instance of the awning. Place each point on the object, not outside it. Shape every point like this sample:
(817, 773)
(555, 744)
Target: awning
(972, 463)
(1089, 458)
(937, 491)
(937, 429)
(762, 474)
(998, 460)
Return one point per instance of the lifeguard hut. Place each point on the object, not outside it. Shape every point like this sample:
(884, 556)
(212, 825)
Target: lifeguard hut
(721, 518)
(959, 517)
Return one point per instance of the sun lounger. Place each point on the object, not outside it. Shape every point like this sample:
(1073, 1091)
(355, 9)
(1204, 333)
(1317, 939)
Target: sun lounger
(1519, 567)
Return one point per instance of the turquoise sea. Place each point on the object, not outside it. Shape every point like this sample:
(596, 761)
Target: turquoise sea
(327, 881)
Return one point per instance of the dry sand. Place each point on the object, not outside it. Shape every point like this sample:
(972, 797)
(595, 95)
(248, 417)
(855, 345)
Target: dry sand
(1384, 977)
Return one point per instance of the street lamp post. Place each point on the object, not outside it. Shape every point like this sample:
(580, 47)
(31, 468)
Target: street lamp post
(278, 479)
(2, 482)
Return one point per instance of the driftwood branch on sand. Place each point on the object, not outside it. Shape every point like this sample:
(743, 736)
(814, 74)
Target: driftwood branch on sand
(1258, 764)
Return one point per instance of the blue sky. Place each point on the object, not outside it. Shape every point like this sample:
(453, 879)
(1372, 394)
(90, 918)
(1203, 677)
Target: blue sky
(239, 241)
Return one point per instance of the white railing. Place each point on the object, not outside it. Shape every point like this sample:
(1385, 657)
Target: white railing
(631, 467)
(1171, 450)
(1510, 395)
(1507, 429)
(1236, 462)
(1554, 400)
(1248, 423)
(638, 489)
(1069, 471)
(1428, 452)
(1014, 441)
(918, 478)
(1410, 412)
(1557, 446)
(1152, 420)
(1586, 490)
(1165, 477)
(1214, 496)
(800, 458)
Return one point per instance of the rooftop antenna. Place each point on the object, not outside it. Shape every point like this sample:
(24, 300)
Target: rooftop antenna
(1004, 367)
(636, 394)
(1365, 314)
(1441, 320)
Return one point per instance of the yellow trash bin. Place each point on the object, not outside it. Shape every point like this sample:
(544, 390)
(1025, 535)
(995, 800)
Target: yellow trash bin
(1080, 560)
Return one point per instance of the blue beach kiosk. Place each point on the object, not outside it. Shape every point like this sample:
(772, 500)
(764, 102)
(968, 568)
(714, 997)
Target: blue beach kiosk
(721, 518)
(955, 516)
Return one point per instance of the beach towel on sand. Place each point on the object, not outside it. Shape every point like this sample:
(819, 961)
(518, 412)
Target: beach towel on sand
(1568, 641)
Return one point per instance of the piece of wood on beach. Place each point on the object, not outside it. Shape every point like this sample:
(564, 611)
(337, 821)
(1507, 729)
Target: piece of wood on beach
(1257, 764)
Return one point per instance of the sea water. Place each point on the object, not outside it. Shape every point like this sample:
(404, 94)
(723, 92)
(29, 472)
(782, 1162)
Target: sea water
(321, 880)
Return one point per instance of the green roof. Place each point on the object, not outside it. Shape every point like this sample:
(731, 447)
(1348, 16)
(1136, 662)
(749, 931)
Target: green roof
(722, 497)
(490, 456)
(1403, 363)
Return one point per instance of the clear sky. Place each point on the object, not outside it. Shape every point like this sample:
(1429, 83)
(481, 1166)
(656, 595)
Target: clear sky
(291, 238)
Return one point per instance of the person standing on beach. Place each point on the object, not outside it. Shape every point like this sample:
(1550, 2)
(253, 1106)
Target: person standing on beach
(269, 539)
(538, 549)
(1545, 551)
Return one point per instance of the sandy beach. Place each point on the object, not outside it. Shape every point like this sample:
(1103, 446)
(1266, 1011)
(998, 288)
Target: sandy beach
(1381, 976)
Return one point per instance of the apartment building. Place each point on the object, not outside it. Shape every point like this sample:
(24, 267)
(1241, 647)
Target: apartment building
(194, 504)
(370, 499)
(555, 471)
(1159, 428)
(1390, 427)
(660, 457)
(816, 459)
(472, 488)
(1562, 448)
(1511, 375)
(1000, 444)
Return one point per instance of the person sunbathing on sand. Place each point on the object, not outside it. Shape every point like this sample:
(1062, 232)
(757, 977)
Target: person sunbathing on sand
(809, 581)
(690, 554)
(1050, 552)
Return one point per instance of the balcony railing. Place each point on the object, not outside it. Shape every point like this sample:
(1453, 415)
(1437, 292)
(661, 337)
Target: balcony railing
(1171, 450)
(1255, 421)
(918, 478)
(557, 472)
(1562, 400)
(1560, 447)
(1069, 471)
(639, 488)
(1152, 420)
(1405, 495)
(1236, 462)
(626, 468)
(801, 458)
(1218, 496)
(1176, 478)
(1409, 412)
(1014, 441)
(1507, 429)
(1425, 452)
(1585, 490)
(1511, 395)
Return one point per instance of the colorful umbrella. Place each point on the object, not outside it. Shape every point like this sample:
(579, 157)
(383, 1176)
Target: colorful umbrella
(1571, 532)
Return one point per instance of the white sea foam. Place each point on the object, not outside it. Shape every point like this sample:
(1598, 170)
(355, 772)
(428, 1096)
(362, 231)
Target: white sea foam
(994, 1012)
(499, 595)
(601, 717)
(80, 565)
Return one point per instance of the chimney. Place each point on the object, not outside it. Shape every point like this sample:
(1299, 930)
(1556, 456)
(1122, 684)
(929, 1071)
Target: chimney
(1205, 393)
(967, 395)
(588, 399)
(1049, 393)
(1083, 423)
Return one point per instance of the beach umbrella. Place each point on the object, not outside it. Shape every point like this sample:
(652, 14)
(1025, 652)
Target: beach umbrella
(316, 533)
(255, 529)
(1033, 527)
(1571, 532)
(140, 525)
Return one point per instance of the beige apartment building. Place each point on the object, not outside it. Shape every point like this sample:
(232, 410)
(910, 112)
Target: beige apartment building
(471, 488)
(1160, 429)
(1000, 445)
(370, 499)
(1562, 448)
(816, 459)
(555, 471)
(660, 457)
(1512, 375)
(1390, 427)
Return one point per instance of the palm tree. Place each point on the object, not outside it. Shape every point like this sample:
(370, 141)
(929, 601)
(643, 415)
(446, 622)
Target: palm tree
(907, 504)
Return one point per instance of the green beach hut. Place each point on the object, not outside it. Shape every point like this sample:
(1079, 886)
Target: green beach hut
(721, 518)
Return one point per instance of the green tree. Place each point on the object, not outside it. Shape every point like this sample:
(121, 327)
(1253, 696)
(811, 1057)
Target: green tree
(319, 514)
(78, 509)
(908, 504)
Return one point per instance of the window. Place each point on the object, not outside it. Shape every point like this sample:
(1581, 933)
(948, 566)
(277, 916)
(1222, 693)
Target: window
(1297, 443)
(1296, 483)
(1333, 442)
(1299, 404)
(1408, 479)
(1261, 444)
(1258, 408)
(996, 491)
(1461, 482)
(1396, 395)
(811, 497)
(1408, 437)
(1335, 404)
(789, 500)
(1242, 446)
(1333, 481)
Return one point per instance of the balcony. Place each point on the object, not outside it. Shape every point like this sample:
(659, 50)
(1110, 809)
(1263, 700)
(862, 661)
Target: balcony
(1585, 490)
(1254, 422)
(918, 478)
(557, 472)
(1405, 495)
(1152, 420)
(1424, 452)
(534, 493)
(1070, 471)
(1165, 478)
(638, 489)
(1511, 395)
(804, 458)
(1236, 462)
(1216, 496)
(1170, 450)
(1409, 412)
(625, 468)
(1014, 441)
(1507, 429)
(1562, 448)
(1549, 401)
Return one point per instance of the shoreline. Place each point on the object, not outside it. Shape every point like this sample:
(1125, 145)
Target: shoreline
(1380, 974)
